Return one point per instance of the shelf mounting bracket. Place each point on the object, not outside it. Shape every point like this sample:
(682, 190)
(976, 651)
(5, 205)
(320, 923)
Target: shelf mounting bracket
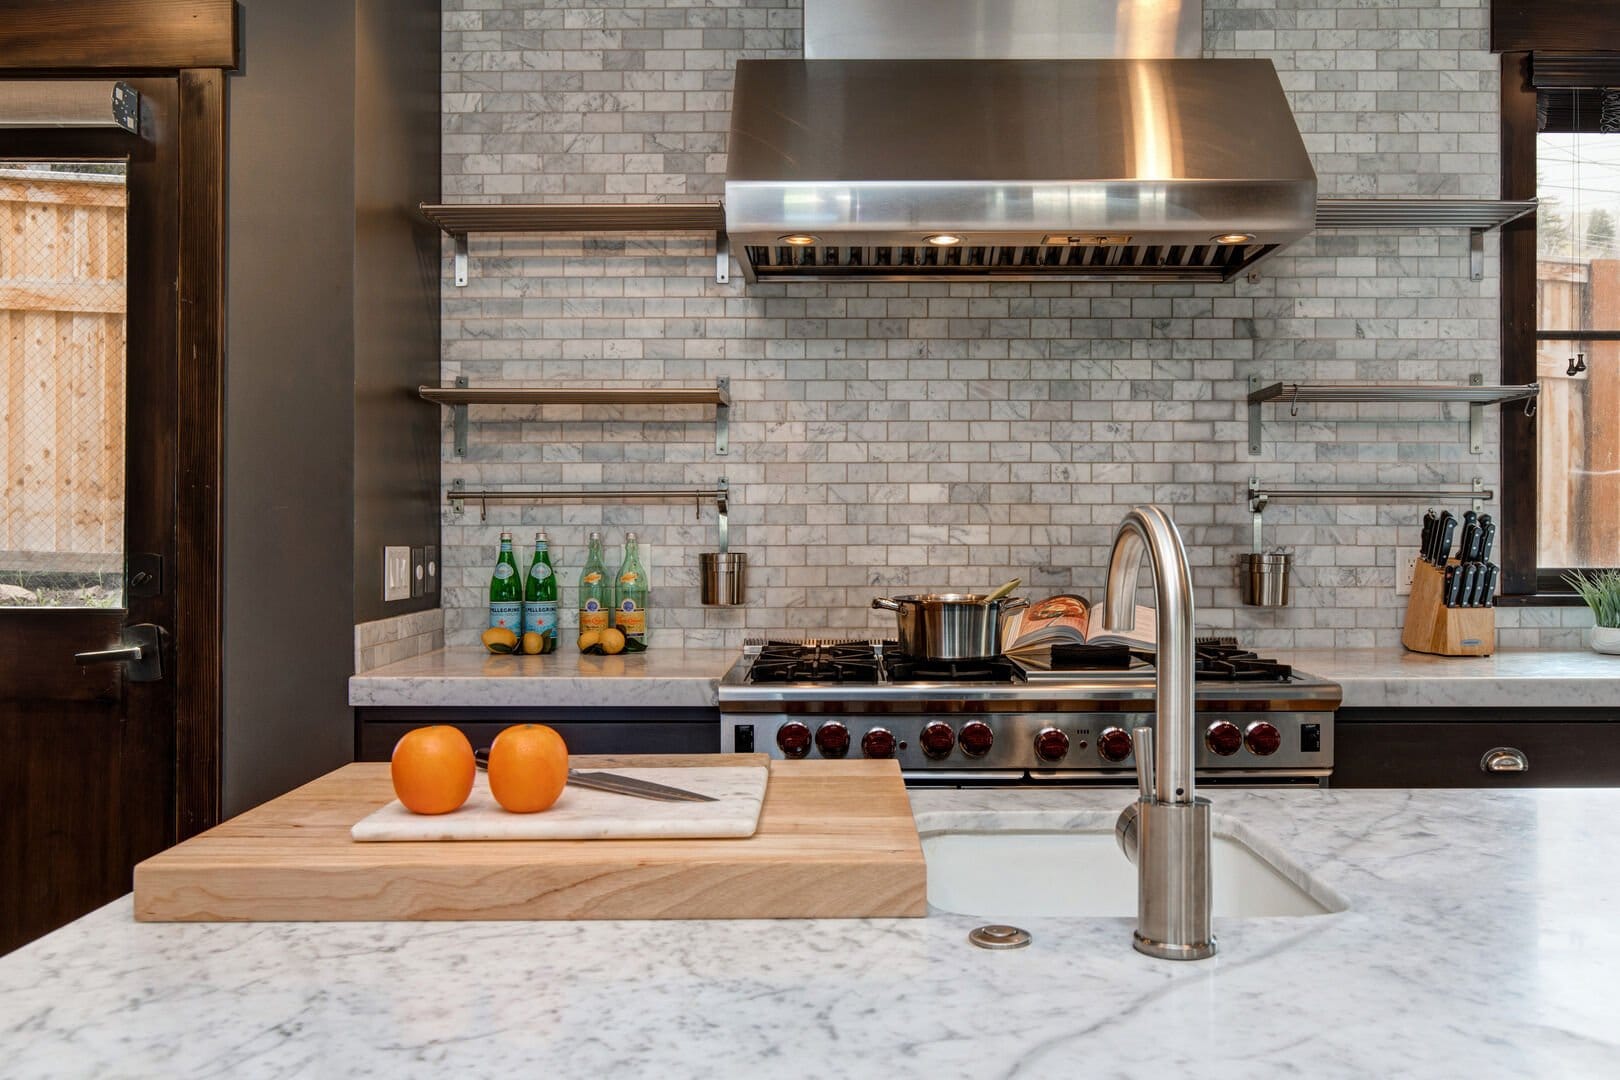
(458, 419)
(1254, 419)
(722, 257)
(1476, 257)
(1476, 420)
(461, 260)
(722, 417)
(1478, 504)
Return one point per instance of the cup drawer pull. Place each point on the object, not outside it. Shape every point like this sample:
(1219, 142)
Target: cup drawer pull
(1504, 759)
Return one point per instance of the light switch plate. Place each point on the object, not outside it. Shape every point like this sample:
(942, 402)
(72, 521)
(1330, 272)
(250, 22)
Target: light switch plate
(418, 572)
(396, 573)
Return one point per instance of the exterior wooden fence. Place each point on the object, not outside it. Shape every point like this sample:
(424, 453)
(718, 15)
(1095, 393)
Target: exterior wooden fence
(62, 286)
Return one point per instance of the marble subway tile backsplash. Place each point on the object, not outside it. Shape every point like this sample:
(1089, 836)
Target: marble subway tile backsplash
(905, 437)
(399, 637)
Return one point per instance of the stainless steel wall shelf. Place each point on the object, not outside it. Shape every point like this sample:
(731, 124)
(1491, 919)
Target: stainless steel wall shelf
(720, 493)
(1475, 395)
(1478, 216)
(462, 395)
(458, 220)
(1476, 495)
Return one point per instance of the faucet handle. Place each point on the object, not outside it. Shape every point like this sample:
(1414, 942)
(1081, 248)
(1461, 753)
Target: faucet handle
(1142, 743)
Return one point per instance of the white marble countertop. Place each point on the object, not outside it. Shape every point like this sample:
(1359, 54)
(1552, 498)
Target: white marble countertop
(472, 677)
(1480, 940)
(1510, 678)
(1371, 678)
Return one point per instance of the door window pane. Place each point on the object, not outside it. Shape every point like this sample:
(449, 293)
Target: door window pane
(1578, 231)
(1578, 454)
(62, 289)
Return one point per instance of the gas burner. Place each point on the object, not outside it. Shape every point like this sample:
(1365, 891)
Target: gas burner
(815, 662)
(1223, 658)
(904, 669)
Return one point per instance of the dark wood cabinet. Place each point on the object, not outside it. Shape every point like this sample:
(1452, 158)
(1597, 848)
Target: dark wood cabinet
(1426, 748)
(586, 731)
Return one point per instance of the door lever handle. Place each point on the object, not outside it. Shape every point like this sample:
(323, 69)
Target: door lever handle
(111, 656)
(141, 649)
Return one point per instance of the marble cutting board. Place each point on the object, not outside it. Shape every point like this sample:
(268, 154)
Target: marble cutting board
(585, 814)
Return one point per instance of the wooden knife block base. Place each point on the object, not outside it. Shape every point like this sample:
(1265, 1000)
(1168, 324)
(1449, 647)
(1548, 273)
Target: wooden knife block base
(1431, 627)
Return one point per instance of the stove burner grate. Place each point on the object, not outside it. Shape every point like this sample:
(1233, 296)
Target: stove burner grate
(792, 661)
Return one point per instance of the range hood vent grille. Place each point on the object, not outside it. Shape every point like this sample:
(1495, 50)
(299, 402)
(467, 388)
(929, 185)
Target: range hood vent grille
(967, 262)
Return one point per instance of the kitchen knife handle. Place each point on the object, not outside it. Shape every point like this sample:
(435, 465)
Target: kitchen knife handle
(1430, 521)
(1487, 538)
(1448, 591)
(1489, 598)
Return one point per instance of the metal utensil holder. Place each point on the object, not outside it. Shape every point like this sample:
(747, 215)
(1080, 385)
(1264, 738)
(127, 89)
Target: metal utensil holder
(1264, 578)
(723, 574)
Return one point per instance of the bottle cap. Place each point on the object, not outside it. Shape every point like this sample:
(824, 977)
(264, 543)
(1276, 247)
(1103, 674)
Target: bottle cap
(506, 534)
(540, 536)
(629, 536)
(596, 536)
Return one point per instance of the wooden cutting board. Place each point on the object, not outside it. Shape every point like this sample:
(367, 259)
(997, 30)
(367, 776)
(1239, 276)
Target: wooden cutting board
(836, 839)
(582, 813)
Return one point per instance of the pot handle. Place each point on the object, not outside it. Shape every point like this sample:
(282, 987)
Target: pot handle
(885, 603)
(1013, 603)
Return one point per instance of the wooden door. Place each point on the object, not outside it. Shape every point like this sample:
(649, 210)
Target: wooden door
(89, 242)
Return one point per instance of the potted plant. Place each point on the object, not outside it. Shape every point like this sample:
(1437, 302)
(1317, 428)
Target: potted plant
(1601, 591)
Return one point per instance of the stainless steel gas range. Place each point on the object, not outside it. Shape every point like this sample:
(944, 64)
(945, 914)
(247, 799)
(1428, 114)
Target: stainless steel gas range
(1006, 721)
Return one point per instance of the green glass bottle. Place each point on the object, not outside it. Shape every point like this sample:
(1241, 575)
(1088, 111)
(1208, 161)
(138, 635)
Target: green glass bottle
(631, 594)
(595, 591)
(540, 596)
(506, 590)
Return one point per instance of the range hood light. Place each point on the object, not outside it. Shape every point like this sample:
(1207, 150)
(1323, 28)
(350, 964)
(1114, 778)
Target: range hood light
(798, 239)
(1234, 238)
(943, 239)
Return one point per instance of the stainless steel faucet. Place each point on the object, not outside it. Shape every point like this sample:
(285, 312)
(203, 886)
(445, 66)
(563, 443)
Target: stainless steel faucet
(1166, 832)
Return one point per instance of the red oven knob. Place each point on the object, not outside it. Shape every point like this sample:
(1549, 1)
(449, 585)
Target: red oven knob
(793, 739)
(1051, 744)
(832, 739)
(1263, 738)
(976, 738)
(937, 739)
(1114, 744)
(878, 743)
(1224, 738)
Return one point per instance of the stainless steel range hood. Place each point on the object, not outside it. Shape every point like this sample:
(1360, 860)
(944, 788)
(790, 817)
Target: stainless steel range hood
(1134, 170)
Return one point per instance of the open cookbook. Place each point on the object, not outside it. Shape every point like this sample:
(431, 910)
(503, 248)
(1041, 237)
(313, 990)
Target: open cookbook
(1066, 619)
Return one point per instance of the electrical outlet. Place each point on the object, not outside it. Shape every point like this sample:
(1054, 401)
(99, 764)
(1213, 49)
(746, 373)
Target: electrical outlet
(396, 573)
(1405, 570)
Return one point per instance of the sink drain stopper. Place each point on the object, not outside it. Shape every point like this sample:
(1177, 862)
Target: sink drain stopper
(997, 936)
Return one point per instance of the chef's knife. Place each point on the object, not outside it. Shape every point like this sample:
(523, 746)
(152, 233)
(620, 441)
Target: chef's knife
(1489, 590)
(1471, 575)
(1430, 521)
(1487, 537)
(618, 785)
(1469, 537)
(1442, 540)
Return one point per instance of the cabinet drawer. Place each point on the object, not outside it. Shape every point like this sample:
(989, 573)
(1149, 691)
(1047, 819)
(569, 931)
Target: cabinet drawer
(586, 731)
(1408, 751)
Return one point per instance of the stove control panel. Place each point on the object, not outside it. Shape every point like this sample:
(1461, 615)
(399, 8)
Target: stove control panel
(1045, 745)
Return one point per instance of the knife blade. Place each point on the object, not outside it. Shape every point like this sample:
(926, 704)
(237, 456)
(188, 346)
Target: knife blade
(1490, 584)
(1487, 537)
(1430, 521)
(618, 785)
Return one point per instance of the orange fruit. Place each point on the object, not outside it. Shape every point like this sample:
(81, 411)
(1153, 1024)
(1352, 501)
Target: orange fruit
(433, 769)
(528, 768)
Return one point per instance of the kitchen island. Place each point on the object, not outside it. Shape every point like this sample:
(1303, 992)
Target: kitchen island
(1480, 939)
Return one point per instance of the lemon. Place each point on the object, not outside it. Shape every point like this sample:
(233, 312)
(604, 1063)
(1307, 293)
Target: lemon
(589, 638)
(612, 641)
(498, 639)
(533, 644)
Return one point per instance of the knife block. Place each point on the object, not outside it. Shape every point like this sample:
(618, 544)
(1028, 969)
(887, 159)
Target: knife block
(1431, 627)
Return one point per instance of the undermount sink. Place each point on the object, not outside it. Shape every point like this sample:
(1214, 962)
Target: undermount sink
(1034, 874)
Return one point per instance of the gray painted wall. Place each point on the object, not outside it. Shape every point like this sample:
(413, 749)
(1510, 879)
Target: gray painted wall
(323, 267)
(396, 291)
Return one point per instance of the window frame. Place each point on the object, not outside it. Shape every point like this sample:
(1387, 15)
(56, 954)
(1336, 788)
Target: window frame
(1524, 580)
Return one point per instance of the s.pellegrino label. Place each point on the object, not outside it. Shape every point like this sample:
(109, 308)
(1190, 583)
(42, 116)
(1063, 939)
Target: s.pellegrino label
(506, 590)
(540, 592)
